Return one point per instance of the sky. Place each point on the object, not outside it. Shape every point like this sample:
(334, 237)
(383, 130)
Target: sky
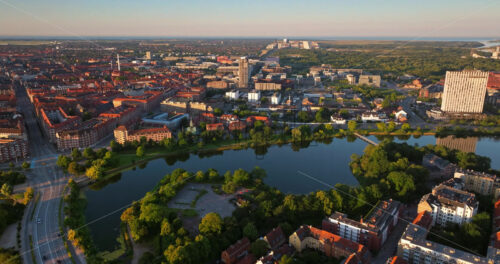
(251, 18)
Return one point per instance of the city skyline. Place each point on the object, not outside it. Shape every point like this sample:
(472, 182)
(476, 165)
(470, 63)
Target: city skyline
(316, 18)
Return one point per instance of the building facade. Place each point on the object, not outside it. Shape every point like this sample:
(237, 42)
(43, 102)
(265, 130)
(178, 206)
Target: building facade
(123, 134)
(464, 91)
(447, 204)
(479, 182)
(308, 237)
(373, 231)
(243, 73)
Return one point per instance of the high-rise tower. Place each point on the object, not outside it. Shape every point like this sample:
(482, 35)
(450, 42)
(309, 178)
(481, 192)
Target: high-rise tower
(243, 73)
(464, 91)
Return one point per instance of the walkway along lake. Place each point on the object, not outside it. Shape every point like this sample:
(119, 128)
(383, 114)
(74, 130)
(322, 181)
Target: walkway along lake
(328, 162)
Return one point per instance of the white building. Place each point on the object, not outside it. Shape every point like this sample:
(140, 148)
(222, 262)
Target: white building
(254, 96)
(447, 204)
(233, 95)
(414, 248)
(401, 114)
(276, 98)
(464, 91)
(338, 120)
(373, 117)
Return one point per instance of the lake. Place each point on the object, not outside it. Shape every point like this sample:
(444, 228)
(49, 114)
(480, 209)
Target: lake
(328, 163)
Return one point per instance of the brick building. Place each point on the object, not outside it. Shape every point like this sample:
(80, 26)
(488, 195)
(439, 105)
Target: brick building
(330, 244)
(123, 134)
(371, 232)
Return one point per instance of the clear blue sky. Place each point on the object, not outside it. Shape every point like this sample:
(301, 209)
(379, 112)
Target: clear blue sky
(271, 18)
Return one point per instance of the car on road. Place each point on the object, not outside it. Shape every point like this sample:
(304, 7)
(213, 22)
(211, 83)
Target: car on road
(38, 220)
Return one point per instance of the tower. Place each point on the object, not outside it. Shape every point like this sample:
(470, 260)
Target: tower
(148, 55)
(243, 73)
(118, 61)
(464, 91)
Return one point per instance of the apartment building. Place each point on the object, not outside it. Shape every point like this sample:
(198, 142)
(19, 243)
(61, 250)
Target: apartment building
(464, 91)
(479, 182)
(414, 247)
(267, 86)
(308, 237)
(447, 204)
(243, 73)
(370, 80)
(373, 231)
(56, 120)
(123, 134)
(86, 134)
(11, 149)
(124, 114)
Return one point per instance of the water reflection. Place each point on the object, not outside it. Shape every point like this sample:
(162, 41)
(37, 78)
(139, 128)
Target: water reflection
(463, 144)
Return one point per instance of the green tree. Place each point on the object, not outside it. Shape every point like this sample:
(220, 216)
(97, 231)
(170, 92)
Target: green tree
(211, 223)
(74, 168)
(250, 231)
(89, 153)
(115, 146)
(63, 161)
(25, 165)
(139, 151)
(166, 227)
(6, 190)
(303, 116)
(28, 195)
(240, 177)
(391, 126)
(352, 125)
(76, 154)
(94, 172)
(405, 127)
(259, 248)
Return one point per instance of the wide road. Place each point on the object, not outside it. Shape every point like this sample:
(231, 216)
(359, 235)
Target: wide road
(48, 181)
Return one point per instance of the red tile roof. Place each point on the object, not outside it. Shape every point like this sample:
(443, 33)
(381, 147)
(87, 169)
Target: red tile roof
(493, 80)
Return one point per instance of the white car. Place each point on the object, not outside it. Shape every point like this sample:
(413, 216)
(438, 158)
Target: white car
(38, 220)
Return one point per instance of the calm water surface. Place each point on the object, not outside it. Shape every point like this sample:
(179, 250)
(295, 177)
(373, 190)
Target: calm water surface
(326, 162)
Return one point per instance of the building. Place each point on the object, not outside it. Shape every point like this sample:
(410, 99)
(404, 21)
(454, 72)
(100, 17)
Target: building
(431, 91)
(56, 120)
(233, 95)
(217, 85)
(447, 204)
(464, 91)
(146, 102)
(171, 120)
(254, 96)
(13, 149)
(373, 231)
(414, 248)
(276, 99)
(373, 116)
(370, 80)
(170, 105)
(338, 120)
(275, 238)
(85, 134)
(331, 245)
(267, 86)
(264, 119)
(434, 162)
(243, 73)
(124, 114)
(215, 127)
(479, 182)
(236, 252)
(123, 134)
